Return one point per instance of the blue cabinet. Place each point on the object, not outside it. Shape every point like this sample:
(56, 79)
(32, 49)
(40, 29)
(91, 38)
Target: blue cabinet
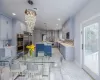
(47, 49)
(39, 47)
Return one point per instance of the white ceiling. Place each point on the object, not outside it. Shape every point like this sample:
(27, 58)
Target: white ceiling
(48, 11)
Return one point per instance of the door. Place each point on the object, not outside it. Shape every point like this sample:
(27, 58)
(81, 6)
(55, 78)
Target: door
(91, 47)
(44, 36)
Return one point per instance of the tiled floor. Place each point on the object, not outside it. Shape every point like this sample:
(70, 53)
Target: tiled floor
(67, 71)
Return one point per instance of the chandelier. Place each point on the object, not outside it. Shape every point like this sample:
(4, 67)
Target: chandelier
(30, 19)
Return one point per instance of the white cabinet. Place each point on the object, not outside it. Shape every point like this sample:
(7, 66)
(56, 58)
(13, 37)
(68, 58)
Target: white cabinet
(7, 52)
(5, 28)
(9, 29)
(10, 52)
(67, 51)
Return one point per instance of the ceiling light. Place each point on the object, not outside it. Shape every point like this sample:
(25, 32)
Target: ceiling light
(13, 14)
(59, 19)
(57, 24)
(30, 19)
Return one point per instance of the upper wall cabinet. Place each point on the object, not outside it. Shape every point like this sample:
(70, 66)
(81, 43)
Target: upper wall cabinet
(9, 29)
(5, 28)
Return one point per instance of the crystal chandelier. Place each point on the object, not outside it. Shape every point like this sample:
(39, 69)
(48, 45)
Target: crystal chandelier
(30, 19)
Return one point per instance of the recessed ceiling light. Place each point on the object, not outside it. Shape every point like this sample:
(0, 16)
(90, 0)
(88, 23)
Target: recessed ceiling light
(59, 19)
(57, 24)
(13, 14)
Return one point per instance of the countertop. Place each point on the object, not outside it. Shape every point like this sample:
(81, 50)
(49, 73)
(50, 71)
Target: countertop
(66, 44)
(45, 43)
(7, 46)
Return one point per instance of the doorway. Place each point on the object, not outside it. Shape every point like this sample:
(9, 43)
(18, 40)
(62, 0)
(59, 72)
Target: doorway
(44, 37)
(91, 47)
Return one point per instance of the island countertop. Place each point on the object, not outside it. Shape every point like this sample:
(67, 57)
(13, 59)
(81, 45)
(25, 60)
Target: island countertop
(66, 43)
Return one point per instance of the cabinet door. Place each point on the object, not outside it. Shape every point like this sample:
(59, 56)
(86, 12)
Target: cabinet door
(13, 52)
(3, 28)
(7, 51)
(9, 29)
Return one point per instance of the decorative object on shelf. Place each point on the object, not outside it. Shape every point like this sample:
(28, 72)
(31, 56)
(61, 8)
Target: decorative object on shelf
(30, 19)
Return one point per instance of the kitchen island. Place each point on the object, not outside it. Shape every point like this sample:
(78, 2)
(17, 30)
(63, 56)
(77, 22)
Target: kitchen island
(66, 49)
(44, 47)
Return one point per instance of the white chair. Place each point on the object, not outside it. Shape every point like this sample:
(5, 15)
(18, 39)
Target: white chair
(33, 71)
(5, 73)
(15, 69)
(46, 67)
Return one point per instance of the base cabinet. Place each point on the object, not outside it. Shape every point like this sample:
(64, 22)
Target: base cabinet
(67, 52)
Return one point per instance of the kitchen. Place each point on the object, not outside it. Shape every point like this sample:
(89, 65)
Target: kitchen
(44, 40)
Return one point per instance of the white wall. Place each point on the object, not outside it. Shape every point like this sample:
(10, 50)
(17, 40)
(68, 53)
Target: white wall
(68, 27)
(50, 34)
(37, 36)
(18, 28)
(56, 35)
(65, 29)
(60, 34)
(90, 10)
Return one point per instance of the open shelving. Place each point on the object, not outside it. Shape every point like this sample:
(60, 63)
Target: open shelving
(19, 42)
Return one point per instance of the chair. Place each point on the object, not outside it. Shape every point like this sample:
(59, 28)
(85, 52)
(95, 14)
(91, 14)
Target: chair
(33, 71)
(4, 73)
(15, 70)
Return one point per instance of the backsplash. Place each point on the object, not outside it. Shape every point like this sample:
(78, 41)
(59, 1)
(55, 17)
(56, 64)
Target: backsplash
(71, 42)
(5, 43)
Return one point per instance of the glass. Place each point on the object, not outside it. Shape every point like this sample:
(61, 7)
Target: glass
(91, 47)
